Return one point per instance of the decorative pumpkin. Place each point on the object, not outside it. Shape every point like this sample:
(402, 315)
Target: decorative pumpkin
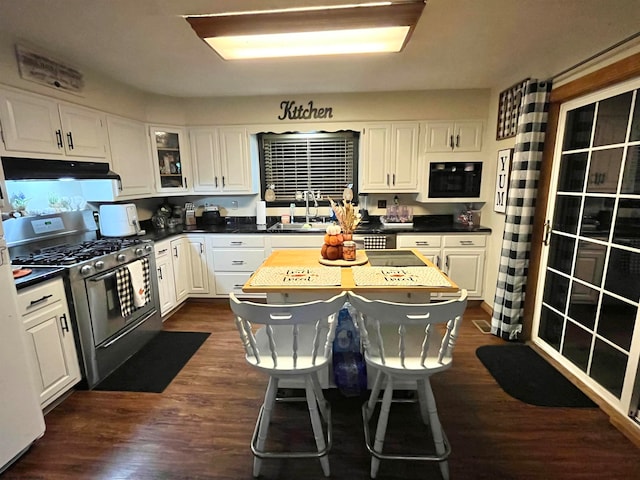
(323, 250)
(334, 229)
(334, 252)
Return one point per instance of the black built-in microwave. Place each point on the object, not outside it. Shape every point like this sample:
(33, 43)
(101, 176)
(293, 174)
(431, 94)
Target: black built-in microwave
(454, 179)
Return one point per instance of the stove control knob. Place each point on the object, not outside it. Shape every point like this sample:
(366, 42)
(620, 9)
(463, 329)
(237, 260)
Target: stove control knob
(139, 252)
(148, 248)
(121, 257)
(99, 265)
(86, 270)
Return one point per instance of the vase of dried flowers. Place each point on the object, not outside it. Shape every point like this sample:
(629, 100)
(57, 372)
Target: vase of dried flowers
(348, 217)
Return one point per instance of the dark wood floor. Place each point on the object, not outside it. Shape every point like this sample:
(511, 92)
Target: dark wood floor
(200, 426)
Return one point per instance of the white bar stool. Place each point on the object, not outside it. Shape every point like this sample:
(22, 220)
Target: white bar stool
(293, 340)
(404, 342)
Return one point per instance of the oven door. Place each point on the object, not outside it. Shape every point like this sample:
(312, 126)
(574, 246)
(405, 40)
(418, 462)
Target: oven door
(104, 308)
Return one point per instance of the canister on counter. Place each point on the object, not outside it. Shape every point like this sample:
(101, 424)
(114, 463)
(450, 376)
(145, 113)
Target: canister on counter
(349, 250)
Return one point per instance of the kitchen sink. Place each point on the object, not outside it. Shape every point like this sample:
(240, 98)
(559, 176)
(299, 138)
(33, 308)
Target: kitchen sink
(299, 227)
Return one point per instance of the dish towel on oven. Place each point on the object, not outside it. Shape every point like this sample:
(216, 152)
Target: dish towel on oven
(375, 242)
(132, 282)
(139, 272)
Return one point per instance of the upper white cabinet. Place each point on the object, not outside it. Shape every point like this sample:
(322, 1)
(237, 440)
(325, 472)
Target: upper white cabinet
(389, 159)
(453, 136)
(221, 160)
(130, 156)
(170, 159)
(33, 124)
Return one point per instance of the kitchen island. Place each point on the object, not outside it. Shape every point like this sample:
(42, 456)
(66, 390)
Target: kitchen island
(297, 275)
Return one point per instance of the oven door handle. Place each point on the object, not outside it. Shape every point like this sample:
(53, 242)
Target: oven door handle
(128, 330)
(103, 277)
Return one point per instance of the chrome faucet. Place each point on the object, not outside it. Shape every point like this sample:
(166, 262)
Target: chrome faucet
(306, 194)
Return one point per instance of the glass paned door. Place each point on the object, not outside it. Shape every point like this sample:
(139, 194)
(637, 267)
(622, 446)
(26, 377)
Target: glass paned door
(587, 312)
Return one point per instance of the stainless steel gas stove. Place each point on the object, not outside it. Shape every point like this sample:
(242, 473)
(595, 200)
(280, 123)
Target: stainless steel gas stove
(108, 334)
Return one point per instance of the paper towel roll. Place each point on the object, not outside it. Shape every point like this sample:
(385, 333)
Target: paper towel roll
(261, 213)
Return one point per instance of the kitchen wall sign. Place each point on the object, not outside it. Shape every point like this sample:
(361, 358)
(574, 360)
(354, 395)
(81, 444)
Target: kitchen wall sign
(40, 68)
(291, 111)
(502, 180)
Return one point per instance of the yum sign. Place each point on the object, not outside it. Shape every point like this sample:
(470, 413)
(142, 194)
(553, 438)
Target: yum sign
(502, 180)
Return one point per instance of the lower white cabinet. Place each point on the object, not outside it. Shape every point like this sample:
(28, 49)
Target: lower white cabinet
(198, 272)
(234, 258)
(460, 256)
(166, 280)
(50, 339)
(180, 262)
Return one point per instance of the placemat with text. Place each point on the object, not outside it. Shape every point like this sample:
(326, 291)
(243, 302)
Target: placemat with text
(387, 276)
(307, 276)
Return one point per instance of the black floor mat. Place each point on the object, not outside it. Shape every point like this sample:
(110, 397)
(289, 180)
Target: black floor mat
(525, 375)
(154, 367)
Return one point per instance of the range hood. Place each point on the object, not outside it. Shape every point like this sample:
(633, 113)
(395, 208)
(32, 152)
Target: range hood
(40, 169)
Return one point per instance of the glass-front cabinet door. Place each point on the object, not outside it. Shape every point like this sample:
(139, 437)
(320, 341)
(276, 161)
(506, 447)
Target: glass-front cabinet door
(587, 308)
(171, 159)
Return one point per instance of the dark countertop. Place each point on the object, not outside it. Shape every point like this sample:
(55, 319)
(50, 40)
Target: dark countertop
(38, 274)
(247, 225)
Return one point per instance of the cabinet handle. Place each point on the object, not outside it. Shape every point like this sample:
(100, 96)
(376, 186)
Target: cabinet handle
(237, 286)
(237, 262)
(394, 179)
(457, 140)
(438, 261)
(175, 252)
(70, 140)
(422, 243)
(236, 243)
(1, 194)
(59, 138)
(35, 302)
(451, 141)
(162, 252)
(201, 248)
(160, 273)
(466, 242)
(388, 180)
(119, 184)
(223, 185)
(216, 181)
(446, 262)
(547, 233)
(63, 322)
(186, 185)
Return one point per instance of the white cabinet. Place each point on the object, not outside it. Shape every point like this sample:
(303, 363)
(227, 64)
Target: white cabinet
(198, 271)
(389, 159)
(166, 281)
(180, 263)
(50, 339)
(453, 136)
(460, 256)
(170, 159)
(221, 160)
(234, 258)
(34, 124)
(130, 156)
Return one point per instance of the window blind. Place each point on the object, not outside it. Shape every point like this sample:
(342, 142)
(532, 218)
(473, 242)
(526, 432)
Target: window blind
(320, 162)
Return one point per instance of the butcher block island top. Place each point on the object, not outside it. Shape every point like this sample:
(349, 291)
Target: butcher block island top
(300, 271)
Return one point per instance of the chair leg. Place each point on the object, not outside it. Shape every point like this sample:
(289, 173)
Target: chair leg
(265, 419)
(422, 401)
(381, 429)
(375, 391)
(322, 402)
(316, 423)
(436, 427)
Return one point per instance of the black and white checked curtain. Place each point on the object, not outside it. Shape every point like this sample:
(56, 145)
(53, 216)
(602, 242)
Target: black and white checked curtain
(521, 202)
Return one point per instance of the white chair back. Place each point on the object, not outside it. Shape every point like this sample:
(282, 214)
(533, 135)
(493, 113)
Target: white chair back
(292, 338)
(409, 337)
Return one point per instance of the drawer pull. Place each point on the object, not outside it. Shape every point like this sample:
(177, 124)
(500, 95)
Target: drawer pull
(423, 243)
(236, 243)
(238, 287)
(44, 298)
(237, 262)
(163, 251)
(466, 242)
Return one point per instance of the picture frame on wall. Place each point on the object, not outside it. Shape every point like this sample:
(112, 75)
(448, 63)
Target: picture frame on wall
(502, 180)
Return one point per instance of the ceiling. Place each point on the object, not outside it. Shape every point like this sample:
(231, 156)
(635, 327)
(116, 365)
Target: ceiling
(456, 44)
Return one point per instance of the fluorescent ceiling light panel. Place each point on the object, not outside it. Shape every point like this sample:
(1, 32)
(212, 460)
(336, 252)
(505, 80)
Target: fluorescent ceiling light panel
(329, 42)
(337, 30)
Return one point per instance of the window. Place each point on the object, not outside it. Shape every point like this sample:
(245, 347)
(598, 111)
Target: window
(320, 162)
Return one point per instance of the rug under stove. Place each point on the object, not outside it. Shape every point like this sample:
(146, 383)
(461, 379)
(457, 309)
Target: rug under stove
(154, 367)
